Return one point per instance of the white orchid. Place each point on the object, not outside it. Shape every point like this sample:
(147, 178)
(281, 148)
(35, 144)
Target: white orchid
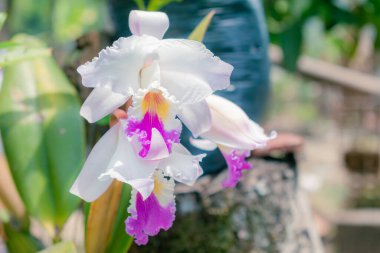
(234, 134)
(165, 78)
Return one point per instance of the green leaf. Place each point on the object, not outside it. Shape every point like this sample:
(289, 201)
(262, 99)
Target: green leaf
(155, 5)
(291, 44)
(43, 136)
(20, 241)
(104, 121)
(140, 4)
(62, 247)
(199, 32)
(3, 17)
(22, 53)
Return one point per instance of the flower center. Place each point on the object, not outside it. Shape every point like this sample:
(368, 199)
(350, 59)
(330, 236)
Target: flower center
(155, 103)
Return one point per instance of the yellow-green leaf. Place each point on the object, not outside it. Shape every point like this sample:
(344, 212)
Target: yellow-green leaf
(199, 32)
(101, 219)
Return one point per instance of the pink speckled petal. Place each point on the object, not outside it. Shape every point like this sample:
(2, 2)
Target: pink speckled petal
(236, 164)
(151, 215)
(145, 135)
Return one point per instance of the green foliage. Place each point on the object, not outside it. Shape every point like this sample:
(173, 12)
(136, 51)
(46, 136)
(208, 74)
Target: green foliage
(73, 18)
(63, 247)
(19, 241)
(43, 135)
(56, 20)
(155, 5)
(287, 18)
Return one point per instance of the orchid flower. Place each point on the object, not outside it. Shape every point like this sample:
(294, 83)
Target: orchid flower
(234, 134)
(164, 77)
(152, 205)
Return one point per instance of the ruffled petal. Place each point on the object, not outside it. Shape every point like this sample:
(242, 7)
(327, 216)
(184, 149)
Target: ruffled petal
(150, 23)
(129, 168)
(119, 66)
(191, 72)
(236, 163)
(87, 185)
(182, 166)
(232, 128)
(196, 117)
(101, 102)
(151, 215)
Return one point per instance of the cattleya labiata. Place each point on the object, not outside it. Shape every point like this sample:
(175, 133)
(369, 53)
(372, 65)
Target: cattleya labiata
(169, 81)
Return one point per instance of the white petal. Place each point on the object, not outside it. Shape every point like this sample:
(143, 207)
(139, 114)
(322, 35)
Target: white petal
(119, 66)
(126, 166)
(101, 102)
(149, 23)
(158, 149)
(87, 185)
(231, 127)
(187, 66)
(196, 117)
(203, 144)
(150, 75)
(163, 188)
(182, 166)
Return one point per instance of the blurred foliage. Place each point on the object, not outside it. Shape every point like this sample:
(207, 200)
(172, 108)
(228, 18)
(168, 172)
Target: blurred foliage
(153, 5)
(56, 20)
(20, 240)
(62, 247)
(287, 18)
(43, 136)
(368, 197)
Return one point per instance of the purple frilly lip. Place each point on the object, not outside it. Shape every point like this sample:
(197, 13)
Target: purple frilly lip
(236, 164)
(148, 217)
(143, 129)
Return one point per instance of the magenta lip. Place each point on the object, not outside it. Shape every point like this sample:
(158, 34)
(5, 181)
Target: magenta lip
(143, 129)
(148, 218)
(236, 164)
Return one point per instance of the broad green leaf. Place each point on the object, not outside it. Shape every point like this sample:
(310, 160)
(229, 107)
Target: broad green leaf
(199, 32)
(62, 247)
(120, 241)
(101, 219)
(155, 5)
(43, 136)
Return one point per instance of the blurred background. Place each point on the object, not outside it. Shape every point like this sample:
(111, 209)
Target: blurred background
(325, 87)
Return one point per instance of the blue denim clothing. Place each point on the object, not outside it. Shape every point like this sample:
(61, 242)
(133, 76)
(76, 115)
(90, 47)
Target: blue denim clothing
(238, 35)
